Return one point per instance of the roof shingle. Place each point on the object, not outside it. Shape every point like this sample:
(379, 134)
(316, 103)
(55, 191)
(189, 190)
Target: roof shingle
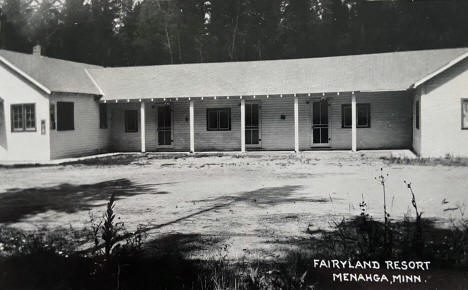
(369, 72)
(55, 74)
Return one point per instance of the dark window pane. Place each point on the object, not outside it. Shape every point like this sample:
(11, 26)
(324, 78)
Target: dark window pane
(324, 135)
(218, 119)
(255, 136)
(17, 117)
(131, 121)
(324, 112)
(52, 117)
(316, 112)
(213, 120)
(248, 137)
(363, 115)
(167, 116)
(248, 115)
(465, 114)
(103, 116)
(30, 117)
(346, 115)
(255, 115)
(65, 116)
(223, 119)
(417, 114)
(161, 137)
(316, 135)
(164, 137)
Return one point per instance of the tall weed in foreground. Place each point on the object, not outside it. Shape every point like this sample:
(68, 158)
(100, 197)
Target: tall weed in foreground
(382, 178)
(418, 242)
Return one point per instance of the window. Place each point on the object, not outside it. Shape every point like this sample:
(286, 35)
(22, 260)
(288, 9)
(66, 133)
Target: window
(65, 116)
(52, 117)
(464, 113)
(218, 119)
(103, 116)
(131, 121)
(23, 117)
(362, 116)
(418, 112)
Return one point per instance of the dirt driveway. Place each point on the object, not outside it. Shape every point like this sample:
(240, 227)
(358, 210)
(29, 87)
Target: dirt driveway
(256, 204)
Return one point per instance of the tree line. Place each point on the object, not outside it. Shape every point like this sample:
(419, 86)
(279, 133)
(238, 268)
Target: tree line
(145, 32)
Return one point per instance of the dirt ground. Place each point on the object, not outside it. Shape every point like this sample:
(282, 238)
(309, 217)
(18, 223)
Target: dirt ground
(257, 205)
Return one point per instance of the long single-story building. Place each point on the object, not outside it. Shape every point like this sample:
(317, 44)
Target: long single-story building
(51, 108)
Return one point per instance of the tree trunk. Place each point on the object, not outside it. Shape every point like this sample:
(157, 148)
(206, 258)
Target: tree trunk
(169, 43)
(234, 34)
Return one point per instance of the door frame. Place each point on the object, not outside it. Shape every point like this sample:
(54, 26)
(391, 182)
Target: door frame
(311, 108)
(259, 103)
(171, 106)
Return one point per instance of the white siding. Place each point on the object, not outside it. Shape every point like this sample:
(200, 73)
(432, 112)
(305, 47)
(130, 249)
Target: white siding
(391, 117)
(441, 113)
(121, 140)
(87, 138)
(22, 145)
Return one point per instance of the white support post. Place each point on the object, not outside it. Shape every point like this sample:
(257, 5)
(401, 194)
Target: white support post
(143, 127)
(296, 124)
(353, 123)
(192, 127)
(242, 125)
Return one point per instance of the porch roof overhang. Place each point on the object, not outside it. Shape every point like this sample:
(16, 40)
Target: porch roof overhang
(395, 71)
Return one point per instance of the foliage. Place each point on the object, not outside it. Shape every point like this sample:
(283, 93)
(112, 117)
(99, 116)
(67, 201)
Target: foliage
(129, 32)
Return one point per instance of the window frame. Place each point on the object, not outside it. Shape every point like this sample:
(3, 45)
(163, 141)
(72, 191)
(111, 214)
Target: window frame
(126, 121)
(344, 106)
(53, 116)
(463, 100)
(218, 111)
(23, 118)
(60, 126)
(418, 114)
(103, 120)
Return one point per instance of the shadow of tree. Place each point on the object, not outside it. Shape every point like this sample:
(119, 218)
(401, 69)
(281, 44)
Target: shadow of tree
(267, 196)
(16, 204)
(181, 243)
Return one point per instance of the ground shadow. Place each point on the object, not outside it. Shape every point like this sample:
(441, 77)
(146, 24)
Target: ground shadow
(181, 244)
(16, 204)
(268, 196)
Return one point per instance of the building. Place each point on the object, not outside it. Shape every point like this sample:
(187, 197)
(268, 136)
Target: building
(51, 108)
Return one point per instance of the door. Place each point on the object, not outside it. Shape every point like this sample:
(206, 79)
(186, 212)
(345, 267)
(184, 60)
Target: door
(252, 125)
(320, 128)
(164, 126)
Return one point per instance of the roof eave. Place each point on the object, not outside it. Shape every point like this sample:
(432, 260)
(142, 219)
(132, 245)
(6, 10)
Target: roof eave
(440, 70)
(25, 75)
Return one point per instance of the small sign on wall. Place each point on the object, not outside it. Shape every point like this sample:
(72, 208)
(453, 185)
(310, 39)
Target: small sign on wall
(43, 127)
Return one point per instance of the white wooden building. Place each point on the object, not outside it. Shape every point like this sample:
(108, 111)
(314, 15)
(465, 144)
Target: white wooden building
(417, 100)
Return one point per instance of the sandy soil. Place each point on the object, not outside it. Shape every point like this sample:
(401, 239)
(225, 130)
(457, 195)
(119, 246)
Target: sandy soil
(256, 205)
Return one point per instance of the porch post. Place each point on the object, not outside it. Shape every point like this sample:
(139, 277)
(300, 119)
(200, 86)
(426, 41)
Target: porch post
(353, 122)
(242, 125)
(192, 127)
(296, 124)
(143, 126)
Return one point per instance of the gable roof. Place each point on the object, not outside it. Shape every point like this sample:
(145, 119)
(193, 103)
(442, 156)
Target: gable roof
(51, 74)
(394, 71)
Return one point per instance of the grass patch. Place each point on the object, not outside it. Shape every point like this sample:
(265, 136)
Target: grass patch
(446, 161)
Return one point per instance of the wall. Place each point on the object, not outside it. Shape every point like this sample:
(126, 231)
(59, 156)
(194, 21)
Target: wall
(121, 140)
(22, 145)
(391, 119)
(441, 113)
(87, 138)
